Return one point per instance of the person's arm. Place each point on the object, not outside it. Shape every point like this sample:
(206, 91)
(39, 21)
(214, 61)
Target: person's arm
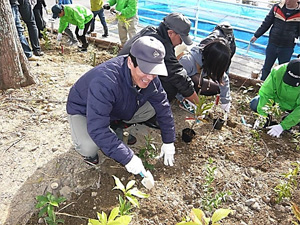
(130, 9)
(62, 25)
(267, 92)
(99, 105)
(266, 24)
(225, 96)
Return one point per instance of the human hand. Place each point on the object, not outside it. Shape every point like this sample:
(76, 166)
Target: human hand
(256, 124)
(226, 107)
(253, 39)
(80, 32)
(106, 6)
(275, 130)
(168, 151)
(135, 165)
(59, 37)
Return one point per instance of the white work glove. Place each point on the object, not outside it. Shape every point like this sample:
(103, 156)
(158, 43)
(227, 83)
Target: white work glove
(80, 32)
(275, 131)
(168, 151)
(226, 107)
(135, 165)
(59, 36)
(256, 124)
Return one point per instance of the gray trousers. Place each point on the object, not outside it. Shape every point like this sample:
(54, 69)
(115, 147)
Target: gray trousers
(127, 30)
(84, 144)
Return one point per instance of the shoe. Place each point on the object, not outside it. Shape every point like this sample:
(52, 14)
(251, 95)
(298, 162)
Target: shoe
(71, 42)
(91, 160)
(119, 124)
(119, 132)
(131, 140)
(33, 58)
(152, 123)
(38, 53)
(83, 49)
(104, 35)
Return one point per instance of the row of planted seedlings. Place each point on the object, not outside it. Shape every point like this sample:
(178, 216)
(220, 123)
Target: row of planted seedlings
(211, 200)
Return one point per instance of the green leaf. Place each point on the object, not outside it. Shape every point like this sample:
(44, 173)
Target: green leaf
(54, 203)
(133, 200)
(61, 199)
(50, 211)
(197, 216)
(40, 204)
(220, 214)
(43, 211)
(130, 184)
(103, 217)
(94, 222)
(60, 221)
(119, 184)
(113, 214)
(41, 198)
(123, 220)
(138, 193)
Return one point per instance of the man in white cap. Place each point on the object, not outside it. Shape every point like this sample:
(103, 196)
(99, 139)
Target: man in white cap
(283, 87)
(124, 88)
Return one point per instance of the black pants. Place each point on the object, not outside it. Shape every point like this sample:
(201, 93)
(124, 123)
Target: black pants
(82, 38)
(40, 22)
(28, 17)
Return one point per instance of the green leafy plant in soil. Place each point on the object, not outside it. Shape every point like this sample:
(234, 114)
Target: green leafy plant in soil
(288, 185)
(47, 204)
(197, 217)
(148, 152)
(210, 199)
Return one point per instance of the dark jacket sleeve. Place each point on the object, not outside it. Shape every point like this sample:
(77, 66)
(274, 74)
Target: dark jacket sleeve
(266, 24)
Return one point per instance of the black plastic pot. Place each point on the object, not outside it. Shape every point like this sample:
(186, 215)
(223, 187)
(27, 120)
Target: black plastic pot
(188, 134)
(218, 123)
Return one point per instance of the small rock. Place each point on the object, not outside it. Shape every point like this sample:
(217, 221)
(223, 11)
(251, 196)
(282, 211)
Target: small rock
(255, 206)
(41, 220)
(94, 194)
(54, 185)
(250, 201)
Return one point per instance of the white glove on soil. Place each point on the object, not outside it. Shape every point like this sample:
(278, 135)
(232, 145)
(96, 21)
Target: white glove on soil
(256, 124)
(135, 165)
(59, 37)
(80, 32)
(226, 107)
(275, 131)
(168, 150)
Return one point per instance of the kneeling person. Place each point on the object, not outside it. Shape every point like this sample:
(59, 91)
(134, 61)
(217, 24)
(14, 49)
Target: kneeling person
(283, 87)
(123, 88)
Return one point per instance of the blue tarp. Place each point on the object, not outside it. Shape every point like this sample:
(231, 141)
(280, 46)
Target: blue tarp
(245, 20)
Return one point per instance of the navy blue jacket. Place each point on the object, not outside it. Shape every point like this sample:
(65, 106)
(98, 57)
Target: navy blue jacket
(106, 93)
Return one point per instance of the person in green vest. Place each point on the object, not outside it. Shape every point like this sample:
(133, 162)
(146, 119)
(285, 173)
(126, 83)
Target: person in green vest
(126, 11)
(283, 87)
(96, 7)
(77, 15)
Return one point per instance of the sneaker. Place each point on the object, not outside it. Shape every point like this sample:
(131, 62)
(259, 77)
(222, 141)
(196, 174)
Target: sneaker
(91, 160)
(152, 123)
(71, 42)
(83, 49)
(33, 58)
(38, 53)
(104, 35)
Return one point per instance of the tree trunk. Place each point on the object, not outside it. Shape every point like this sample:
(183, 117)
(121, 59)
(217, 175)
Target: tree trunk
(14, 66)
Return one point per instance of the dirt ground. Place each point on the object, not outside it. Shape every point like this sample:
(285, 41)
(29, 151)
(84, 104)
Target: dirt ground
(36, 152)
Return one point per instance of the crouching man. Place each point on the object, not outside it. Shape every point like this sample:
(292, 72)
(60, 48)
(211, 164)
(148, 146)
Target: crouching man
(283, 87)
(124, 88)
